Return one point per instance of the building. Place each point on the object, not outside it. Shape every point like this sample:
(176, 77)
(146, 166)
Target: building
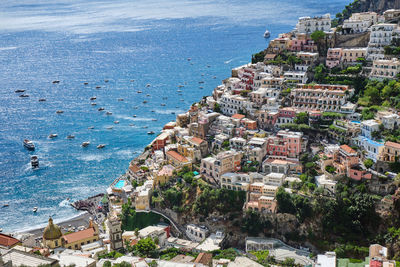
(233, 104)
(350, 55)
(326, 183)
(213, 167)
(155, 232)
(390, 152)
(285, 144)
(321, 97)
(8, 242)
(177, 160)
(21, 258)
(391, 14)
(52, 235)
(65, 259)
(77, 239)
(381, 36)
(372, 148)
(235, 181)
(333, 57)
(115, 233)
(162, 176)
(160, 141)
(204, 258)
(385, 69)
(196, 233)
(359, 22)
(275, 179)
(368, 127)
(378, 257)
(326, 260)
(294, 77)
(309, 58)
(309, 25)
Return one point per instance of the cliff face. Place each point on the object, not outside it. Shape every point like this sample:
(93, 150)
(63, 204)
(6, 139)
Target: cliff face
(377, 5)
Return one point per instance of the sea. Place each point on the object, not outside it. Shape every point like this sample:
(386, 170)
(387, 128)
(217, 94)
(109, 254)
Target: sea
(118, 47)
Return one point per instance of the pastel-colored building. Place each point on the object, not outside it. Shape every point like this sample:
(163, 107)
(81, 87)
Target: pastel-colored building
(309, 25)
(390, 152)
(213, 167)
(350, 55)
(381, 36)
(385, 69)
(177, 160)
(333, 57)
(285, 144)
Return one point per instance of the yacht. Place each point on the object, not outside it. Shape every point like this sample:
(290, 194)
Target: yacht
(106, 81)
(214, 77)
(131, 124)
(98, 87)
(179, 91)
(23, 95)
(100, 109)
(93, 98)
(267, 34)
(151, 132)
(154, 119)
(93, 104)
(42, 99)
(108, 113)
(35, 209)
(145, 101)
(59, 111)
(29, 144)
(148, 85)
(148, 95)
(101, 146)
(85, 83)
(34, 162)
(139, 92)
(56, 81)
(188, 59)
(201, 82)
(70, 136)
(153, 111)
(162, 104)
(132, 81)
(134, 116)
(19, 91)
(91, 127)
(85, 144)
(116, 122)
(51, 136)
(109, 127)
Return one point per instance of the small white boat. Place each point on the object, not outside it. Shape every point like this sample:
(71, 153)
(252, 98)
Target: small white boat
(154, 119)
(109, 127)
(136, 107)
(201, 87)
(132, 81)
(131, 124)
(1, 230)
(214, 77)
(180, 86)
(108, 113)
(134, 116)
(179, 91)
(139, 92)
(116, 122)
(101, 146)
(85, 144)
(106, 81)
(91, 127)
(151, 132)
(59, 111)
(24, 95)
(201, 82)
(162, 104)
(51, 136)
(148, 85)
(188, 59)
(153, 111)
(267, 34)
(148, 95)
(34, 162)
(145, 127)
(35, 209)
(29, 144)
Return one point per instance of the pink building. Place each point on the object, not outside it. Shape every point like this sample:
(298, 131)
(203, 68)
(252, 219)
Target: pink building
(333, 57)
(346, 162)
(302, 44)
(285, 144)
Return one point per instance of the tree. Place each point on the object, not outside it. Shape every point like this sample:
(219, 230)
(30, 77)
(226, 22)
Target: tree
(217, 108)
(301, 118)
(284, 199)
(289, 262)
(368, 163)
(318, 37)
(320, 73)
(107, 264)
(146, 247)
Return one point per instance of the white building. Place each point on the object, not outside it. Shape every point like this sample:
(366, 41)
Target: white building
(325, 183)
(154, 232)
(360, 22)
(196, 233)
(295, 77)
(274, 178)
(385, 69)
(309, 25)
(381, 36)
(233, 104)
(368, 127)
(235, 181)
(326, 260)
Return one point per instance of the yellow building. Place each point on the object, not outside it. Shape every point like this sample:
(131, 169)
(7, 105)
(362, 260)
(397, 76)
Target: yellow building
(52, 235)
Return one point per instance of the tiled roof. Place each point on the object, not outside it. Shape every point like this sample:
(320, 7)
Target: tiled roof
(392, 144)
(8, 241)
(197, 140)
(238, 116)
(177, 156)
(204, 258)
(347, 149)
(80, 235)
(134, 168)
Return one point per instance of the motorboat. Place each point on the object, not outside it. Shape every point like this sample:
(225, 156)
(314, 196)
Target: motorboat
(34, 162)
(120, 99)
(131, 124)
(59, 111)
(153, 111)
(132, 81)
(91, 127)
(148, 85)
(135, 107)
(35, 209)
(148, 95)
(5, 205)
(154, 119)
(23, 95)
(162, 104)
(267, 34)
(134, 116)
(151, 132)
(106, 81)
(208, 66)
(214, 77)
(101, 146)
(93, 98)
(56, 81)
(145, 101)
(93, 104)
(19, 91)
(85, 83)
(201, 87)
(201, 82)
(51, 136)
(100, 109)
(139, 92)
(109, 127)
(179, 91)
(85, 144)
(98, 87)
(70, 136)
(29, 144)
(42, 99)
(116, 122)
(180, 86)
(173, 112)
(164, 98)
(145, 127)
(188, 59)
(108, 113)
(182, 100)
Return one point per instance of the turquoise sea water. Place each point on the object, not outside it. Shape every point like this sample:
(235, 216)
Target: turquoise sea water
(119, 41)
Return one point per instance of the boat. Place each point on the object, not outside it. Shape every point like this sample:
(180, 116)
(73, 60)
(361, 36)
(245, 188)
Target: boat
(134, 116)
(59, 111)
(23, 95)
(85, 144)
(53, 136)
(106, 81)
(19, 91)
(162, 104)
(35, 209)
(201, 87)
(214, 77)
(151, 132)
(120, 99)
(182, 100)
(100, 109)
(201, 82)
(148, 95)
(165, 98)
(145, 101)
(188, 59)
(85, 83)
(70, 136)
(131, 124)
(34, 162)
(109, 127)
(132, 81)
(101, 146)
(208, 66)
(93, 98)
(91, 127)
(56, 81)
(5, 205)
(148, 85)
(179, 91)
(116, 122)
(145, 127)
(135, 107)
(139, 92)
(108, 113)
(267, 34)
(93, 104)
(172, 112)
(42, 99)
(1, 230)
(29, 144)
(153, 111)
(98, 87)
(154, 119)
(180, 86)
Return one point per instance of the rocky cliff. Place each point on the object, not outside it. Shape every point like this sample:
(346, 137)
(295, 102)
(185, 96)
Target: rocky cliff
(375, 5)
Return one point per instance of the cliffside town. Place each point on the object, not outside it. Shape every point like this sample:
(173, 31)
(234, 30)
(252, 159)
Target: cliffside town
(297, 153)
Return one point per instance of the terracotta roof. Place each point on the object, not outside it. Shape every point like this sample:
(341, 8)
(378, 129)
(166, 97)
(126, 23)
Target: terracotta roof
(177, 156)
(197, 140)
(238, 116)
(134, 168)
(270, 56)
(73, 237)
(8, 241)
(204, 258)
(347, 149)
(392, 144)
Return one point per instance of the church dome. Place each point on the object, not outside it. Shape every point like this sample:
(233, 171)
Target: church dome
(52, 231)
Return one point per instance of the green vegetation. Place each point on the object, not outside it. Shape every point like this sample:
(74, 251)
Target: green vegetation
(293, 204)
(381, 93)
(111, 255)
(355, 252)
(229, 253)
(258, 57)
(217, 108)
(330, 169)
(368, 163)
(146, 247)
(253, 224)
(296, 127)
(301, 118)
(131, 219)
